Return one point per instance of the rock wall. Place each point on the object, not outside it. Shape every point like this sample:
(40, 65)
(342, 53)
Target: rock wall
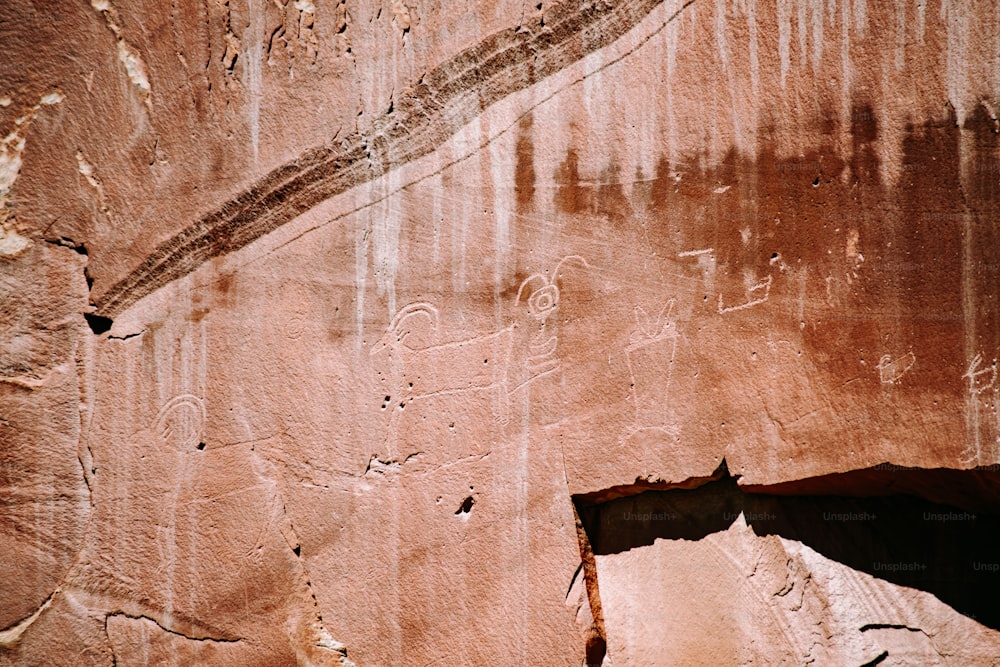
(628, 333)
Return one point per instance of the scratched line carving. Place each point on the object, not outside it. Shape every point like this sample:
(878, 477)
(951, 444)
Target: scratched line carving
(756, 294)
(891, 371)
(180, 422)
(980, 379)
(412, 363)
(705, 259)
(649, 355)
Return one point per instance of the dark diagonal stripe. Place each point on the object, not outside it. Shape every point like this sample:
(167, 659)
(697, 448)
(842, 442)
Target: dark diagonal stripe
(446, 99)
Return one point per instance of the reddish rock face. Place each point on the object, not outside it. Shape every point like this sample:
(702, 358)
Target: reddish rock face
(624, 333)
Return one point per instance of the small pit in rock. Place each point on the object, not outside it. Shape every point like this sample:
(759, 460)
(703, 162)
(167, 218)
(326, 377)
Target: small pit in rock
(466, 506)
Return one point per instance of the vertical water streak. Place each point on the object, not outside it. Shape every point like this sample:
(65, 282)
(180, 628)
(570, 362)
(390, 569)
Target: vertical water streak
(784, 11)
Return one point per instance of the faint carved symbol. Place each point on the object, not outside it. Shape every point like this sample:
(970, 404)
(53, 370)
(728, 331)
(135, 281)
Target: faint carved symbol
(650, 354)
(890, 370)
(295, 325)
(297, 295)
(180, 422)
(543, 301)
(980, 379)
(756, 294)
(412, 363)
(696, 253)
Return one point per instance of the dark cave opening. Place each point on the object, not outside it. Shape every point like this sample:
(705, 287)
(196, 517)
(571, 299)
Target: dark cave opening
(947, 549)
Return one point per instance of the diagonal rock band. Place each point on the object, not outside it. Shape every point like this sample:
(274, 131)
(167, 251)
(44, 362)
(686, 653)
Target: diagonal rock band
(446, 98)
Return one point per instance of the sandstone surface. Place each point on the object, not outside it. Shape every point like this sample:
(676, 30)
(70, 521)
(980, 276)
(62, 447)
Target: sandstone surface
(395, 332)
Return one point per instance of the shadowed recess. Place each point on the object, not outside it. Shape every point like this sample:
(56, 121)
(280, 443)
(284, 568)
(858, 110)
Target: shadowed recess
(949, 551)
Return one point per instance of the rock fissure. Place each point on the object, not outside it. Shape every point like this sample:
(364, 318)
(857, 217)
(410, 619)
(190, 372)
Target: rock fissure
(173, 631)
(11, 634)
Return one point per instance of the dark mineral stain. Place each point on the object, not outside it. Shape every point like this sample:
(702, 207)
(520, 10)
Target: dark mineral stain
(611, 201)
(524, 174)
(662, 185)
(197, 315)
(864, 132)
(570, 195)
(510, 287)
(864, 126)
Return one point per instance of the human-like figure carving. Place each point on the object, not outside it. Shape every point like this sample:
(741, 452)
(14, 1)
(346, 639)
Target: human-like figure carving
(984, 396)
(650, 354)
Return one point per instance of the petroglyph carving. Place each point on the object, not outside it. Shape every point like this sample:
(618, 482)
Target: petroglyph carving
(543, 301)
(412, 363)
(890, 370)
(541, 357)
(180, 422)
(650, 354)
(406, 322)
(984, 396)
(411, 367)
(980, 379)
(756, 294)
(418, 370)
(296, 320)
(648, 330)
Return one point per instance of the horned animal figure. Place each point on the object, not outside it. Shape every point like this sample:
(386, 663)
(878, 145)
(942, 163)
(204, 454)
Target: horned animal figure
(412, 363)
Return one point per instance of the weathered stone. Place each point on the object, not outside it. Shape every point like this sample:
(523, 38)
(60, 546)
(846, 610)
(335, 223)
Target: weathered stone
(339, 329)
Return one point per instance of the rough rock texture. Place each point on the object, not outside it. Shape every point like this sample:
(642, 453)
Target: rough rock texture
(630, 332)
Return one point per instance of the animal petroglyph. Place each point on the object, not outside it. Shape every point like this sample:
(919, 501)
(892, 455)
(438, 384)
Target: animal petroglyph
(650, 354)
(415, 366)
(891, 371)
(180, 422)
(412, 363)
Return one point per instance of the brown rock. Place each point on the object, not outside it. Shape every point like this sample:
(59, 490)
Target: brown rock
(337, 328)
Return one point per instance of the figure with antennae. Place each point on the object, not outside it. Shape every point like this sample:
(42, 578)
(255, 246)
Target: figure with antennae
(411, 361)
(983, 397)
(543, 301)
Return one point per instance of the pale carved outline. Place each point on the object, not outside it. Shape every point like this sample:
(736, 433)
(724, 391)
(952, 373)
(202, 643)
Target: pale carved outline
(502, 371)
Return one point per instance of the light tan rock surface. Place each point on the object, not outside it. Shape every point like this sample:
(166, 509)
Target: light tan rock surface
(390, 306)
